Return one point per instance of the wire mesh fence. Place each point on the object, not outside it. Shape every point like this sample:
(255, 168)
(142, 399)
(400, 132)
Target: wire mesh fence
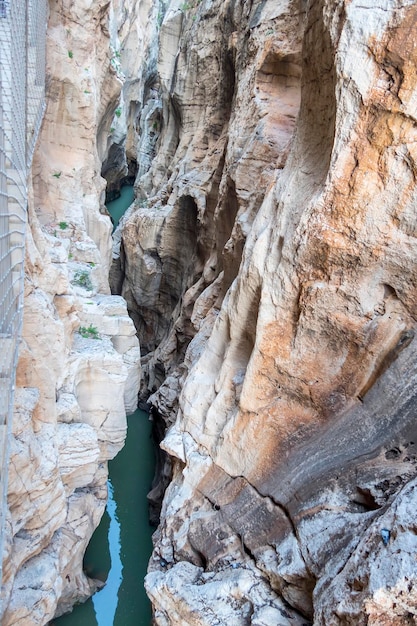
(22, 101)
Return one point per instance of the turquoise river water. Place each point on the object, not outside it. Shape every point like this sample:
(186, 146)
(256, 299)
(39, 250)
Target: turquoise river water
(122, 543)
(121, 546)
(118, 207)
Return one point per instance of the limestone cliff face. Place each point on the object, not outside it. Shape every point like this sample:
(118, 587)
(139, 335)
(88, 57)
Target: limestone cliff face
(216, 131)
(269, 265)
(79, 365)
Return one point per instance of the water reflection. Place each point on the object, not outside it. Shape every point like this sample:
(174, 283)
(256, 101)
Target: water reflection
(105, 600)
(125, 531)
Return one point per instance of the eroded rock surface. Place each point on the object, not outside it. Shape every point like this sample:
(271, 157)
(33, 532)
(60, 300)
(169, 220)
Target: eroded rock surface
(79, 362)
(283, 356)
(269, 265)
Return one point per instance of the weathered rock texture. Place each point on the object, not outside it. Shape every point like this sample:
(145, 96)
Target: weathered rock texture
(133, 30)
(270, 267)
(79, 365)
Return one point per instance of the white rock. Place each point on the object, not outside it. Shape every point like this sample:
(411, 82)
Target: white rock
(78, 454)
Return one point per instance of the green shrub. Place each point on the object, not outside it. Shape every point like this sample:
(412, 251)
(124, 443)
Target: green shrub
(89, 332)
(57, 174)
(185, 6)
(82, 278)
(63, 225)
(70, 54)
(118, 112)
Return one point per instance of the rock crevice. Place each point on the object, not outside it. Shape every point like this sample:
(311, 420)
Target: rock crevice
(287, 366)
(268, 262)
(79, 361)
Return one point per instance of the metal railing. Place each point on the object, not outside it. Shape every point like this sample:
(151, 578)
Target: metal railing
(22, 102)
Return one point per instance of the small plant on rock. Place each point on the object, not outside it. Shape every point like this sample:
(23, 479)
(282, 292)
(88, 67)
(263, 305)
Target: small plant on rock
(89, 332)
(185, 6)
(82, 278)
(115, 61)
(63, 225)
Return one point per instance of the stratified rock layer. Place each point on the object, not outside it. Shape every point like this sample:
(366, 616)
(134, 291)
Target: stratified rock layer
(269, 265)
(79, 362)
(286, 157)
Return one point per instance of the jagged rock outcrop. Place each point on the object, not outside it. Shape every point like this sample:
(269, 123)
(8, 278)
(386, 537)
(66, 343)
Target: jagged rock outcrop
(184, 241)
(79, 362)
(134, 40)
(269, 266)
(286, 143)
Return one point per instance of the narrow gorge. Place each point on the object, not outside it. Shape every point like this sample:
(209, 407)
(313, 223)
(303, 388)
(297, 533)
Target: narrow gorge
(258, 298)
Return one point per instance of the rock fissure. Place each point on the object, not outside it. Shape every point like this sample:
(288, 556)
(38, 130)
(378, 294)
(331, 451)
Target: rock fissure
(268, 263)
(286, 396)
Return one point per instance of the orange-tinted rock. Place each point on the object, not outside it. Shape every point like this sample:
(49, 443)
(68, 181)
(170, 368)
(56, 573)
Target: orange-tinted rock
(304, 385)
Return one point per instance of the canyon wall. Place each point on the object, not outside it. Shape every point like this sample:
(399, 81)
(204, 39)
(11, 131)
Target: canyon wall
(269, 266)
(79, 361)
